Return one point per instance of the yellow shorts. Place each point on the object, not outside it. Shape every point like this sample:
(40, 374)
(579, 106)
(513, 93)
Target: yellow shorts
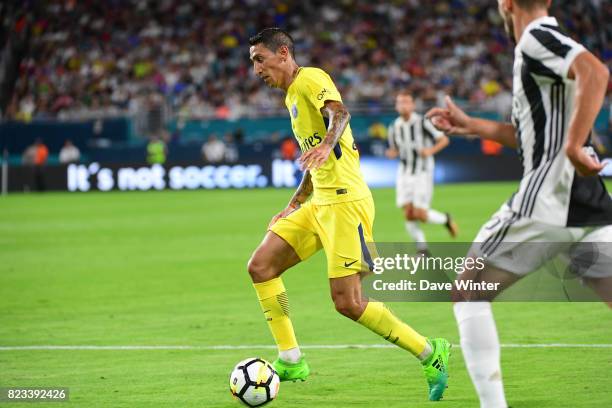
(342, 230)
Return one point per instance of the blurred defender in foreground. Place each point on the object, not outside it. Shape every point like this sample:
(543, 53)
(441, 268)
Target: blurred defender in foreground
(561, 202)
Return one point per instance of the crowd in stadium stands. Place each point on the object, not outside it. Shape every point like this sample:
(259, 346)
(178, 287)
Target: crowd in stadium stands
(102, 58)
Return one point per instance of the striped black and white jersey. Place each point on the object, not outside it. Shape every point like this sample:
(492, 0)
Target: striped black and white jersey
(543, 101)
(409, 137)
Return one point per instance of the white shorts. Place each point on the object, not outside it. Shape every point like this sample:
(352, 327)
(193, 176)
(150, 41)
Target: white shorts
(416, 189)
(521, 245)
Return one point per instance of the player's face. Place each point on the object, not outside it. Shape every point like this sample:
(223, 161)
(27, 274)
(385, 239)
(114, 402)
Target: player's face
(267, 65)
(506, 15)
(404, 104)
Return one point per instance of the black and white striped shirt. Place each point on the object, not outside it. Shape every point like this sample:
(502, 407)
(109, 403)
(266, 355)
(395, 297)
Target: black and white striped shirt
(543, 101)
(409, 137)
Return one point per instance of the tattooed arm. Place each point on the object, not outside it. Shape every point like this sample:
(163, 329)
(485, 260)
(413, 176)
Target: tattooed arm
(338, 121)
(300, 196)
(303, 191)
(339, 118)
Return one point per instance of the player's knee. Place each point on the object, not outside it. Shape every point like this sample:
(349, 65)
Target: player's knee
(348, 307)
(259, 270)
(420, 214)
(410, 214)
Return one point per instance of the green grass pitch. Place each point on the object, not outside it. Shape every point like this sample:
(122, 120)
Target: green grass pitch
(169, 268)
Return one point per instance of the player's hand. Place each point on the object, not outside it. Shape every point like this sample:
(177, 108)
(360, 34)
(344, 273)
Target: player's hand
(585, 160)
(290, 208)
(391, 153)
(315, 157)
(450, 120)
(426, 152)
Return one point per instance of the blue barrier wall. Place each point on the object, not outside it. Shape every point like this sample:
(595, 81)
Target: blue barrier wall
(125, 147)
(191, 151)
(264, 128)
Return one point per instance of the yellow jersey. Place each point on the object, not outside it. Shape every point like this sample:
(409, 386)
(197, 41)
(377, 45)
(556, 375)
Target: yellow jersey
(339, 179)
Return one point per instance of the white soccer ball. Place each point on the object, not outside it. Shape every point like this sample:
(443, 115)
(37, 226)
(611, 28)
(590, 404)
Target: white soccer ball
(254, 382)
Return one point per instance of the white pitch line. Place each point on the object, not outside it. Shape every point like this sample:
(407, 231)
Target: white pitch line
(272, 347)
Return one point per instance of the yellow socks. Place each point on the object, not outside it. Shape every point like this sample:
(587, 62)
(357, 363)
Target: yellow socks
(275, 305)
(376, 317)
(381, 321)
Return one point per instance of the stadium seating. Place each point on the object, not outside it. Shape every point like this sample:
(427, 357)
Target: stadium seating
(89, 59)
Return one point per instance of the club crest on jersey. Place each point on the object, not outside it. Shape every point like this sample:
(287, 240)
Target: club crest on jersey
(294, 111)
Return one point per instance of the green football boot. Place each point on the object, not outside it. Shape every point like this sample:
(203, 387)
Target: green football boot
(291, 371)
(436, 368)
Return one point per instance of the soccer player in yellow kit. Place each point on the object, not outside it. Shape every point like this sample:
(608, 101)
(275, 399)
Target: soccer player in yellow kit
(338, 217)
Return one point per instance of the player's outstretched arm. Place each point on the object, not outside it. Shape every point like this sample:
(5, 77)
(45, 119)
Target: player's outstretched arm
(591, 82)
(300, 196)
(339, 118)
(453, 121)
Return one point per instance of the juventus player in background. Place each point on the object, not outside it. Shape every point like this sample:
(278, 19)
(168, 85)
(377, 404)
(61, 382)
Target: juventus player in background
(415, 141)
(558, 89)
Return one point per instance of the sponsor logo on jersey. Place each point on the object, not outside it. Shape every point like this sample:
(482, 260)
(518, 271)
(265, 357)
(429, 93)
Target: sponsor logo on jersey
(311, 141)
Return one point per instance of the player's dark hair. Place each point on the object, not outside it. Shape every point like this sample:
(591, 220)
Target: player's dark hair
(531, 4)
(405, 92)
(273, 38)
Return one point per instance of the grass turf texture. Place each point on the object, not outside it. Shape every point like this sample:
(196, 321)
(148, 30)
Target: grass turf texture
(168, 268)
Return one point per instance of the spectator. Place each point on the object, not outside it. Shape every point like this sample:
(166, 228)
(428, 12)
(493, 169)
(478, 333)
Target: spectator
(36, 156)
(491, 148)
(156, 151)
(377, 131)
(213, 151)
(69, 153)
(42, 153)
(231, 150)
(378, 139)
(28, 158)
(289, 149)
